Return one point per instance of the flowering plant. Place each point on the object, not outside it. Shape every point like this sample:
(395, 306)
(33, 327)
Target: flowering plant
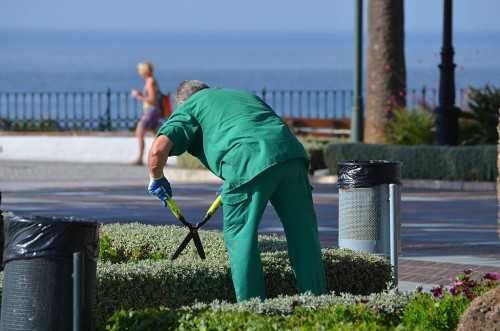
(442, 308)
(468, 286)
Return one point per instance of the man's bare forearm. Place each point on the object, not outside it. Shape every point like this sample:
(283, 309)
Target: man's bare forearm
(158, 155)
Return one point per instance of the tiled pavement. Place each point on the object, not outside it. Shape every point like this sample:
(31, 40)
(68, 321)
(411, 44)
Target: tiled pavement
(444, 231)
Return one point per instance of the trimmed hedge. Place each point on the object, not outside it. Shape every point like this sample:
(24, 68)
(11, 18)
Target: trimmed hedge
(134, 271)
(314, 148)
(159, 281)
(338, 318)
(455, 163)
(441, 309)
(329, 312)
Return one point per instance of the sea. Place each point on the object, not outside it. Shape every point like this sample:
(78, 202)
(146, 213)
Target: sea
(75, 61)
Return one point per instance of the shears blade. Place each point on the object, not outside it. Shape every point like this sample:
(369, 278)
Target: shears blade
(193, 230)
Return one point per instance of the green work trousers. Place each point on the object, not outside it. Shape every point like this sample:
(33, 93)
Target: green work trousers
(286, 185)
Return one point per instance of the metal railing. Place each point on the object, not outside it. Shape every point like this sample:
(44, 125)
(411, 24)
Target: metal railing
(119, 111)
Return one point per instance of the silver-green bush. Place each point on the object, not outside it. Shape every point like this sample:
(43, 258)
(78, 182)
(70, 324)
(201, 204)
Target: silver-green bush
(188, 280)
(153, 280)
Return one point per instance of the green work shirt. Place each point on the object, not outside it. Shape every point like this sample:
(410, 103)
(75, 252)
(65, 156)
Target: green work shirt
(233, 133)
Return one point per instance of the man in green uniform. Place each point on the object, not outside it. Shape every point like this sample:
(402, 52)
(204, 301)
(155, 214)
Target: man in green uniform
(244, 142)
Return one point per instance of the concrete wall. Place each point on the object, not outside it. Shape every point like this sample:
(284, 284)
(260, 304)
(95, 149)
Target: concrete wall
(101, 149)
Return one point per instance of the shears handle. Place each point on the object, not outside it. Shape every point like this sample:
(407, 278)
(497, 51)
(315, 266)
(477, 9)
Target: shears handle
(213, 208)
(173, 207)
(177, 212)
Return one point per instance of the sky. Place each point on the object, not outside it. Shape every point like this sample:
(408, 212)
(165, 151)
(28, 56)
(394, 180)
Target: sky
(150, 16)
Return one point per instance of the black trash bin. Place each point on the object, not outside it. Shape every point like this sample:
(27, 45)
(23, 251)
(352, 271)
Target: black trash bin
(38, 272)
(364, 205)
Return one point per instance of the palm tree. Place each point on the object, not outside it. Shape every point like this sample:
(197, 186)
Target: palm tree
(498, 180)
(386, 68)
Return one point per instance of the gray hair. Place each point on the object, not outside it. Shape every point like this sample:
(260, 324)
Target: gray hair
(186, 89)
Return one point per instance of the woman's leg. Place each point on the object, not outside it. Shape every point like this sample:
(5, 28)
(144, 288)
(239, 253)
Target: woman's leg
(139, 133)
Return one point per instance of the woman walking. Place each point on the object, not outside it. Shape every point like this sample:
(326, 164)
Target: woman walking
(152, 107)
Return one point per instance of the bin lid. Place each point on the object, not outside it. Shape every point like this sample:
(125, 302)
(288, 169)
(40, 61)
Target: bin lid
(369, 173)
(32, 236)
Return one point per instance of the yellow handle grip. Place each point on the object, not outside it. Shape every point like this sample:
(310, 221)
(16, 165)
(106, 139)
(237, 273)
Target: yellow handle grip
(214, 206)
(173, 207)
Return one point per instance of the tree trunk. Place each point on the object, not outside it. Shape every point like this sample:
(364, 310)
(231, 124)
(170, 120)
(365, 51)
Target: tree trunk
(498, 178)
(386, 68)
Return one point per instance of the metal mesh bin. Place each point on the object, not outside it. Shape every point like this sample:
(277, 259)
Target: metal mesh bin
(38, 272)
(364, 205)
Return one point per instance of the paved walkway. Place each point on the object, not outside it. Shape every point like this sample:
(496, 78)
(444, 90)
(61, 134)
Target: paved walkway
(444, 229)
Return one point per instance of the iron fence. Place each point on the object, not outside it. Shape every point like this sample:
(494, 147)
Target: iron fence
(119, 111)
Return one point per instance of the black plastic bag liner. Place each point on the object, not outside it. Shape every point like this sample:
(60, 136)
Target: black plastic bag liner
(357, 174)
(37, 236)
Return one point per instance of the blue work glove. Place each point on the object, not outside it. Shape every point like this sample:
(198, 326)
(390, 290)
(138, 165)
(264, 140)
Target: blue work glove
(160, 188)
(219, 192)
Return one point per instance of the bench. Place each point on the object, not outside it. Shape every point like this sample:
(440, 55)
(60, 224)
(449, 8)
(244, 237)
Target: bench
(319, 127)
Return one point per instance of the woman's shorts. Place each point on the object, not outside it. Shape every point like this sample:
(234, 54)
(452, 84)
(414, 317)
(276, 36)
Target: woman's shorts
(150, 119)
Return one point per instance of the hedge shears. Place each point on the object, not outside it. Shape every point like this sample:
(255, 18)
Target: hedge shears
(193, 229)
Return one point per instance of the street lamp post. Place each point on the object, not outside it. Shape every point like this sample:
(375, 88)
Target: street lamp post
(357, 99)
(446, 114)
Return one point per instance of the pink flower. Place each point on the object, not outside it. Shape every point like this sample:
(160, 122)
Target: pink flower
(471, 295)
(437, 292)
(457, 283)
(468, 271)
(491, 276)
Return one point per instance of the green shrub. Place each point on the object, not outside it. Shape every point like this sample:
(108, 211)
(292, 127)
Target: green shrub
(37, 125)
(441, 309)
(374, 312)
(390, 302)
(126, 280)
(353, 317)
(426, 312)
(479, 124)
(314, 147)
(476, 163)
(410, 127)
(444, 308)
(135, 272)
